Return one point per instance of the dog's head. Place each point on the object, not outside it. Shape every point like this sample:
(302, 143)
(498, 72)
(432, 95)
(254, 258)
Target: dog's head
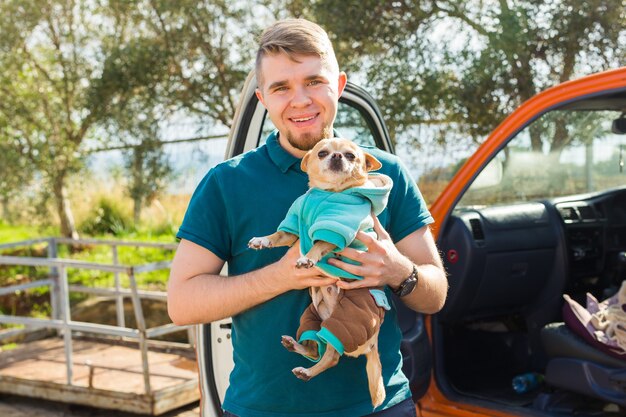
(338, 164)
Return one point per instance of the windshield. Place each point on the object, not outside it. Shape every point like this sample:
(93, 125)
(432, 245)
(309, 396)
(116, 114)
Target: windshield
(564, 152)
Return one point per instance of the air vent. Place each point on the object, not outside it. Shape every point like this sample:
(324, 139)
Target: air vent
(587, 213)
(568, 213)
(477, 229)
(600, 211)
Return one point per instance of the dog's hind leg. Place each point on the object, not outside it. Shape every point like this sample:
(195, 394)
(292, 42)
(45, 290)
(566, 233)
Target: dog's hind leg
(329, 359)
(374, 376)
(308, 348)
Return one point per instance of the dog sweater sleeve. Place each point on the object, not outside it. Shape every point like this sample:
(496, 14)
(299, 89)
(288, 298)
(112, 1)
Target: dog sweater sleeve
(291, 222)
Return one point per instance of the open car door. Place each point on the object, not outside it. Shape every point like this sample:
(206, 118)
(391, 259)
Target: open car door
(359, 119)
(530, 226)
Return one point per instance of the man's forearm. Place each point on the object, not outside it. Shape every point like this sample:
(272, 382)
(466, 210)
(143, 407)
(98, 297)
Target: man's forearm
(429, 295)
(205, 298)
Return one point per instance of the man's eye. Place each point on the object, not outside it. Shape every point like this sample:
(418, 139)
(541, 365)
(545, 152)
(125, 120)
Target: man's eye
(349, 156)
(322, 154)
(314, 82)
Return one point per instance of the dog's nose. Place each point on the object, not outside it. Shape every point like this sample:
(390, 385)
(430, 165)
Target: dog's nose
(336, 155)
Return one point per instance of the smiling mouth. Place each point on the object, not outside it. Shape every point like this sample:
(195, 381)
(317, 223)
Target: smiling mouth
(303, 119)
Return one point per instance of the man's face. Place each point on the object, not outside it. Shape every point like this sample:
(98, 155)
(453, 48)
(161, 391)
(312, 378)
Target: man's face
(301, 99)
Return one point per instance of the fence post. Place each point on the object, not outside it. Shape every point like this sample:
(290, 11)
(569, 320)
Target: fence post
(67, 332)
(119, 298)
(55, 289)
(141, 326)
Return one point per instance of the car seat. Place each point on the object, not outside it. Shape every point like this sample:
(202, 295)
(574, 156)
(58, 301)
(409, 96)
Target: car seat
(580, 363)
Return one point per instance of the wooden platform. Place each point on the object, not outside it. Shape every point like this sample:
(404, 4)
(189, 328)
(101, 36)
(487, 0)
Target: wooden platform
(37, 369)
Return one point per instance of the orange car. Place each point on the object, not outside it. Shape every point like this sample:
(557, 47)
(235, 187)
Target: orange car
(538, 211)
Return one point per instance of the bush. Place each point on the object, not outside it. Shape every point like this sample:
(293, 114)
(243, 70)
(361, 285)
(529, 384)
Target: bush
(106, 218)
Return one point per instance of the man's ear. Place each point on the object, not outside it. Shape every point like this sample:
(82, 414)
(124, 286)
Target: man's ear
(371, 163)
(343, 79)
(305, 161)
(259, 95)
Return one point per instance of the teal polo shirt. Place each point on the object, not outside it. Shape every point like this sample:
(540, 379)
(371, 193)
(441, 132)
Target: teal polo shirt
(248, 196)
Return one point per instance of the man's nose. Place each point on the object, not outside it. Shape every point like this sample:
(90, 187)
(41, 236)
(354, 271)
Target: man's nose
(300, 98)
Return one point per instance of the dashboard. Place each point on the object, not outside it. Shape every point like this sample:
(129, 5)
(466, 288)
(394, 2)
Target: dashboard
(512, 259)
(595, 233)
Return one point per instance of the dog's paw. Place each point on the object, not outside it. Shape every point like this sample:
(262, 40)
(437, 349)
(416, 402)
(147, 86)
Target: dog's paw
(301, 373)
(289, 343)
(259, 243)
(304, 262)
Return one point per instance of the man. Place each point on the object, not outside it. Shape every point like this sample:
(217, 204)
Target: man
(299, 83)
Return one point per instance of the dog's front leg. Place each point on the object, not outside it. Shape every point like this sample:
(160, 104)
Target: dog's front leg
(317, 252)
(329, 359)
(274, 240)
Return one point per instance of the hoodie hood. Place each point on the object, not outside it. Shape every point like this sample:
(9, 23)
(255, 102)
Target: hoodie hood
(376, 190)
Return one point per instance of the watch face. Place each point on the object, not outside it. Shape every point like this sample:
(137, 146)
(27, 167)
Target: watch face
(408, 286)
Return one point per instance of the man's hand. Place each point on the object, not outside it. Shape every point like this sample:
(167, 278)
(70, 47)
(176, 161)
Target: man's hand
(382, 264)
(290, 277)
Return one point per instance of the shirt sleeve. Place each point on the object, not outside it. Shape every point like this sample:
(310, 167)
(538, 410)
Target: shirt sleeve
(407, 209)
(206, 221)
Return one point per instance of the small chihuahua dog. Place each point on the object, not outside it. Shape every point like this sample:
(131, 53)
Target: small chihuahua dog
(341, 200)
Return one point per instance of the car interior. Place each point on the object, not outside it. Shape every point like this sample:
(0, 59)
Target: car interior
(547, 219)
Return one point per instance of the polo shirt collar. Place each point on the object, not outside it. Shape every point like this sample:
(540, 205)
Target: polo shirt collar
(281, 158)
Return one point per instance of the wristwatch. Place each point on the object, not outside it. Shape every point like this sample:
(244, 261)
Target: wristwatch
(408, 285)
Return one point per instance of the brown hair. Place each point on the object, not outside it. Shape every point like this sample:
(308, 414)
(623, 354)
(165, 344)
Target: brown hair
(295, 37)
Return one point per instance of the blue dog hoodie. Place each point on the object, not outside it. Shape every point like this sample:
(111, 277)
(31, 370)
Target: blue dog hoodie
(336, 217)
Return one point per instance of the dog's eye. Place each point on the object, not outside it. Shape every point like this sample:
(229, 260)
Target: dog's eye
(349, 156)
(322, 154)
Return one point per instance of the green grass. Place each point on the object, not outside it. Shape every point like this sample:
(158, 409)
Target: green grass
(9, 346)
(10, 233)
(129, 256)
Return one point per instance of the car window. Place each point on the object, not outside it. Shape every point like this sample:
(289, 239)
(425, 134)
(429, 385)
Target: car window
(564, 152)
(349, 122)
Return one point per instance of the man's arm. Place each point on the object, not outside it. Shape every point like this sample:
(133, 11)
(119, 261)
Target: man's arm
(432, 287)
(196, 293)
(387, 264)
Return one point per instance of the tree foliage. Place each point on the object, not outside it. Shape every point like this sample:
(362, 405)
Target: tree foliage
(48, 52)
(466, 64)
(114, 71)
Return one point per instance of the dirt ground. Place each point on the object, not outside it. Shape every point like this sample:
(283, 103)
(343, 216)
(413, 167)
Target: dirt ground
(14, 406)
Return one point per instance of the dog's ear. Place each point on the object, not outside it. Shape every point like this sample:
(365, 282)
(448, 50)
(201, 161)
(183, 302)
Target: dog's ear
(305, 161)
(371, 163)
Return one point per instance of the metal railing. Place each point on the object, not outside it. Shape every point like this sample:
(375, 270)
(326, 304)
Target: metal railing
(60, 289)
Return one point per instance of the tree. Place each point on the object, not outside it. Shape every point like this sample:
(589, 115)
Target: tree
(50, 53)
(464, 65)
(189, 55)
(15, 172)
(185, 59)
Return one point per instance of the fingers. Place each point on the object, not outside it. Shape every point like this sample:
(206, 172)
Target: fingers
(348, 267)
(379, 229)
(352, 285)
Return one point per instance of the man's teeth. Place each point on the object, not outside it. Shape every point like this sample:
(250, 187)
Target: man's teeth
(303, 119)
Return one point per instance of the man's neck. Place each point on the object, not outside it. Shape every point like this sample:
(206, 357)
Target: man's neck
(284, 143)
